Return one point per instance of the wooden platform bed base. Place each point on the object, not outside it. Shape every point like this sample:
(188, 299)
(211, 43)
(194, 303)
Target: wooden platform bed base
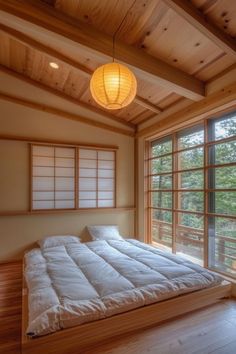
(72, 340)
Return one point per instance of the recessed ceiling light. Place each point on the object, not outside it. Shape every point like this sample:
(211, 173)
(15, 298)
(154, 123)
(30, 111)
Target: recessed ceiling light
(54, 65)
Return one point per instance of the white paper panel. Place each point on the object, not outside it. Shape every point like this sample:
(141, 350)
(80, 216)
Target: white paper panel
(43, 205)
(43, 150)
(65, 152)
(64, 184)
(106, 173)
(43, 183)
(64, 172)
(43, 161)
(87, 203)
(87, 195)
(106, 155)
(43, 171)
(64, 162)
(105, 195)
(106, 184)
(105, 203)
(87, 163)
(87, 172)
(65, 204)
(87, 184)
(64, 195)
(43, 196)
(106, 164)
(89, 154)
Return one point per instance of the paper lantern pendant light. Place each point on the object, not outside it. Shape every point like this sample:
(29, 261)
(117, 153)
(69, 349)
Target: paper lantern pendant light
(113, 86)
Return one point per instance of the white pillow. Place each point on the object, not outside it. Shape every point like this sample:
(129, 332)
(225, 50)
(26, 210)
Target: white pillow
(104, 232)
(53, 241)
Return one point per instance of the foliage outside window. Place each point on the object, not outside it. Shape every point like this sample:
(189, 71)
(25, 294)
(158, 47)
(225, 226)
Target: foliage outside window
(192, 193)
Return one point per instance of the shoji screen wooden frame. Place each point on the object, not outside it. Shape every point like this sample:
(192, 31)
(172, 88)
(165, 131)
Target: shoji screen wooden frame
(206, 214)
(60, 143)
(77, 177)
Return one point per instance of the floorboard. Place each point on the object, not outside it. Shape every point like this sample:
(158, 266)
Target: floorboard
(210, 330)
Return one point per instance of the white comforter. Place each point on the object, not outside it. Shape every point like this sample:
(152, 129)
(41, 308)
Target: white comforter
(82, 282)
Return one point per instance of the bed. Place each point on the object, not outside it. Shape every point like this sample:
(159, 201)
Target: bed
(81, 293)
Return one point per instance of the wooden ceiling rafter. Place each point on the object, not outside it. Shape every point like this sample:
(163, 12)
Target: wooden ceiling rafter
(99, 44)
(64, 96)
(194, 17)
(29, 41)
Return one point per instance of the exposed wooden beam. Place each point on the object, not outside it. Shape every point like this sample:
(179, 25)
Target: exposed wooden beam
(191, 14)
(146, 104)
(226, 98)
(32, 43)
(64, 96)
(61, 113)
(100, 44)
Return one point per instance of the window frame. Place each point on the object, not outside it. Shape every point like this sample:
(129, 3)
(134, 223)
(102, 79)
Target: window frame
(76, 177)
(209, 188)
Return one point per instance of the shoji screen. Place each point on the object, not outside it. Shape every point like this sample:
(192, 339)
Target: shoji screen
(53, 177)
(96, 178)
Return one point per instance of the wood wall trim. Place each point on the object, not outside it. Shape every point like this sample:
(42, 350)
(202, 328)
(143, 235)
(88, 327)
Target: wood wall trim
(98, 43)
(192, 15)
(63, 114)
(65, 211)
(34, 140)
(32, 43)
(217, 101)
(65, 97)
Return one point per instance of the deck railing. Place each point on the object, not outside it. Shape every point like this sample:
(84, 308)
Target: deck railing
(190, 241)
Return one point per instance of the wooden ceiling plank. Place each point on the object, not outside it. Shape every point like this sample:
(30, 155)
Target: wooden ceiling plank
(212, 103)
(64, 96)
(29, 41)
(98, 43)
(188, 11)
(62, 113)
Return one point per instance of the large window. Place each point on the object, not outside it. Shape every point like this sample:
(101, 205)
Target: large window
(72, 177)
(192, 193)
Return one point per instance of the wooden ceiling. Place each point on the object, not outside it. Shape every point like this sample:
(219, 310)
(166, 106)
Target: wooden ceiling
(190, 40)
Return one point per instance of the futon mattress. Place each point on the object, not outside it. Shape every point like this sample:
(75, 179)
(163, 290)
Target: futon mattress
(82, 282)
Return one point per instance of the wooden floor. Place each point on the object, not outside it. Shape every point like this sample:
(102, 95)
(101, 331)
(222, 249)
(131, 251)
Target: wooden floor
(211, 330)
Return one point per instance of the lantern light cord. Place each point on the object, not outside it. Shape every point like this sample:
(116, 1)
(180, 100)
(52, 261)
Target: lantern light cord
(118, 28)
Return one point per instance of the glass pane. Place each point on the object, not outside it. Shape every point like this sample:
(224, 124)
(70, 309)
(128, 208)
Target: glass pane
(40, 150)
(65, 152)
(192, 201)
(162, 228)
(163, 164)
(191, 180)
(223, 203)
(222, 245)
(64, 204)
(191, 159)
(105, 203)
(162, 199)
(225, 177)
(87, 172)
(225, 128)
(106, 155)
(162, 182)
(190, 138)
(87, 204)
(161, 147)
(87, 154)
(190, 236)
(64, 184)
(222, 153)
